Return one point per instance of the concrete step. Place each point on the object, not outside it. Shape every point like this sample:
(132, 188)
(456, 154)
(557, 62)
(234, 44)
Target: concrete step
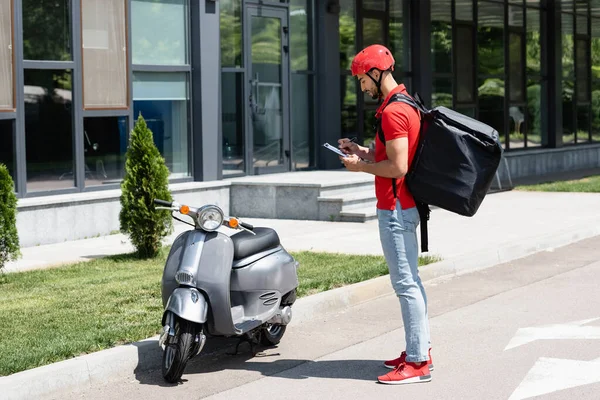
(359, 214)
(352, 200)
(333, 189)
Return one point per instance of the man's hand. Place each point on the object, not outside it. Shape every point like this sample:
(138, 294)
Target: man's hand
(347, 146)
(352, 163)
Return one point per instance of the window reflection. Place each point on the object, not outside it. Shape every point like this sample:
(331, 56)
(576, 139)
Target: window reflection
(299, 34)
(231, 33)
(7, 147)
(595, 83)
(442, 92)
(47, 30)
(162, 99)
(49, 129)
(441, 37)
(159, 31)
(347, 33)
(373, 31)
(105, 145)
(349, 87)
(491, 85)
(232, 108)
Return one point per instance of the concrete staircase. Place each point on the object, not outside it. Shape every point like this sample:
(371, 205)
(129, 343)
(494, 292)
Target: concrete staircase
(348, 202)
(307, 195)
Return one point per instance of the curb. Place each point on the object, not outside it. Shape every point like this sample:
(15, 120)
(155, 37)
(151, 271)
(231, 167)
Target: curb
(126, 360)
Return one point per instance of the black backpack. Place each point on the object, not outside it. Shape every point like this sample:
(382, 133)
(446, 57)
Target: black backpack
(454, 164)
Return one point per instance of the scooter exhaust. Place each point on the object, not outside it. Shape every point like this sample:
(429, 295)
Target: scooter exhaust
(283, 317)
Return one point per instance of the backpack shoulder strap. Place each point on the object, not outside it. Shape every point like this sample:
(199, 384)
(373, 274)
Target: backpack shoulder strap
(415, 102)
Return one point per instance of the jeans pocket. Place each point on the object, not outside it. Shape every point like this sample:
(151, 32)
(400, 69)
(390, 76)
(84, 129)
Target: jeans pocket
(411, 218)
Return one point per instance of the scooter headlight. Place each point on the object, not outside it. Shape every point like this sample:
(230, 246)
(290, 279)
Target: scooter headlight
(210, 218)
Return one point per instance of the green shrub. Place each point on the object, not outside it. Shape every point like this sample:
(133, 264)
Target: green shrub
(9, 237)
(146, 179)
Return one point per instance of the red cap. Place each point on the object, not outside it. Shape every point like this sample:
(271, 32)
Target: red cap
(374, 56)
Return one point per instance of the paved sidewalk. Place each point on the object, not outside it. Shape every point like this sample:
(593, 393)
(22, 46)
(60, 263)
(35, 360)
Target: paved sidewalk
(509, 225)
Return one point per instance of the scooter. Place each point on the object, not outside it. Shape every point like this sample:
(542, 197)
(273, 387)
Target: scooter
(241, 285)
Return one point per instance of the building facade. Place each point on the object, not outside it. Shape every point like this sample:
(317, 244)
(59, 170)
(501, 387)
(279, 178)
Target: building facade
(240, 87)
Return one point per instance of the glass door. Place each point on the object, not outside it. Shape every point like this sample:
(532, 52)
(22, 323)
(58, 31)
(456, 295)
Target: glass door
(268, 141)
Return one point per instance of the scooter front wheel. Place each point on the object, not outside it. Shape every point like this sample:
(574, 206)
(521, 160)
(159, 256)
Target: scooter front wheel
(178, 351)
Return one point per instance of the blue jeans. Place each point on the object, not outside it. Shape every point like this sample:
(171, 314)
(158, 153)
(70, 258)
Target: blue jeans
(398, 235)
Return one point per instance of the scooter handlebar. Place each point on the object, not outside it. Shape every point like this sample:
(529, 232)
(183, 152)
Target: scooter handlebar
(247, 225)
(162, 202)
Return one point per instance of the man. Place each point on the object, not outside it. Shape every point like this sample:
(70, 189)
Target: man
(396, 210)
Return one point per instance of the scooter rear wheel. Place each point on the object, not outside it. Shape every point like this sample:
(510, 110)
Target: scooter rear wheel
(176, 355)
(272, 334)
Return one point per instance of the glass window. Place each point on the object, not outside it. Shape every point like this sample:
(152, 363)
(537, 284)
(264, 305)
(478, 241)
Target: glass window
(516, 118)
(301, 119)
(373, 32)
(464, 10)
(396, 33)
(105, 144)
(595, 83)
(7, 146)
(582, 24)
(568, 113)
(47, 30)
(515, 16)
(347, 34)
(159, 32)
(231, 33)
(299, 34)
(49, 129)
(349, 88)
(232, 114)
(104, 54)
(583, 70)
(162, 99)
(377, 5)
(490, 38)
(534, 113)
(534, 48)
(491, 103)
(465, 68)
(369, 126)
(515, 46)
(567, 45)
(6, 57)
(441, 36)
(442, 92)
(583, 123)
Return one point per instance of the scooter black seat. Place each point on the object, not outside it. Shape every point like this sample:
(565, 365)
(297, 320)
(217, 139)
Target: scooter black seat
(246, 244)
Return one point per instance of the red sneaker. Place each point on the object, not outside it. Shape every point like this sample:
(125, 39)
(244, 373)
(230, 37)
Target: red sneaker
(391, 364)
(407, 373)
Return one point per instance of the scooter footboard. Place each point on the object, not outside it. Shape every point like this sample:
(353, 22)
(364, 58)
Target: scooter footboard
(187, 303)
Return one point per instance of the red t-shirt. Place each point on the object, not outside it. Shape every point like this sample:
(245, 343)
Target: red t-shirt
(398, 120)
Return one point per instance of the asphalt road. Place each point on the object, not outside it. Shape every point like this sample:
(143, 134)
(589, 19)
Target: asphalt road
(525, 329)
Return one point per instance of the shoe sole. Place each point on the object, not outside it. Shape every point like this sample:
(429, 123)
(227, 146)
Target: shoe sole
(416, 379)
(392, 367)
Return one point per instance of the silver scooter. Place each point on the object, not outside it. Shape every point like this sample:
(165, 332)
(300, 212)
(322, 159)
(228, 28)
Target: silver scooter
(214, 284)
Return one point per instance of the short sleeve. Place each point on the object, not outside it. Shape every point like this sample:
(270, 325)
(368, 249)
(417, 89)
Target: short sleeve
(395, 121)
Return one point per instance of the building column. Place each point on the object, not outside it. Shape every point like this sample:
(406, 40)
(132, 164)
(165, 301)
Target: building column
(206, 91)
(420, 43)
(552, 112)
(328, 108)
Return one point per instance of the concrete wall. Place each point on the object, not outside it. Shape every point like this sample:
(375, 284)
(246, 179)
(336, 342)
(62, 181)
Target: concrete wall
(548, 161)
(54, 219)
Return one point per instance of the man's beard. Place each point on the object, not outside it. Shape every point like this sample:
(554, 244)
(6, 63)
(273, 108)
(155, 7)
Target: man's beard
(375, 94)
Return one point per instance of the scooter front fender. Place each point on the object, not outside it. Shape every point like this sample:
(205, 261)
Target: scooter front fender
(187, 303)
